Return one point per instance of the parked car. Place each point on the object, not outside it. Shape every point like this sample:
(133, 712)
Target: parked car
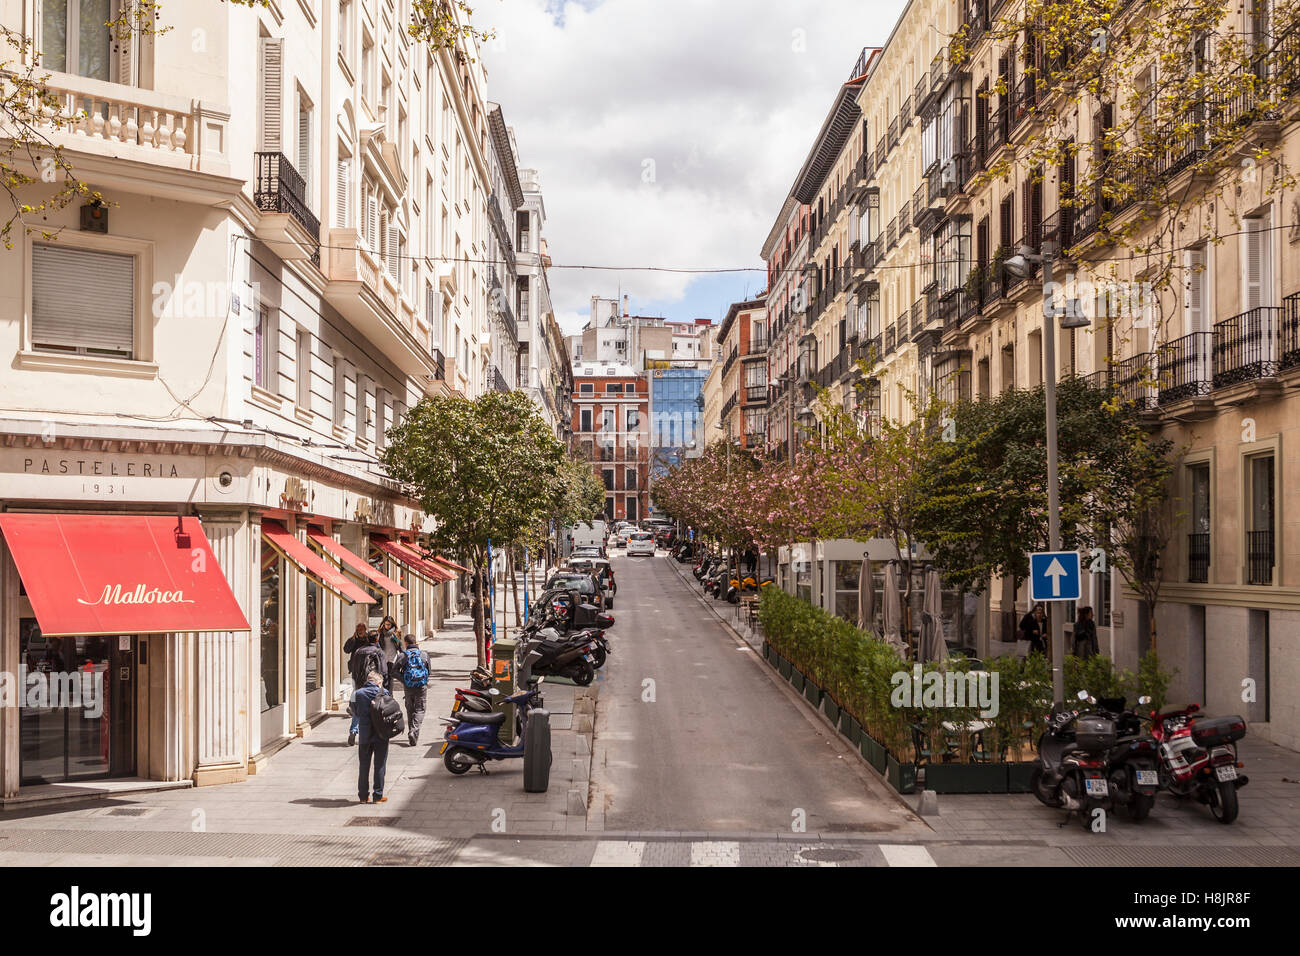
(641, 542)
(604, 574)
(584, 582)
(588, 551)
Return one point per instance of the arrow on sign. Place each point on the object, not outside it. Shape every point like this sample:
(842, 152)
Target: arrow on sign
(1055, 572)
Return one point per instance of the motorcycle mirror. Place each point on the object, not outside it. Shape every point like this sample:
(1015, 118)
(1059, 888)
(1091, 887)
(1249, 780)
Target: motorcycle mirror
(1082, 695)
(493, 690)
(1144, 700)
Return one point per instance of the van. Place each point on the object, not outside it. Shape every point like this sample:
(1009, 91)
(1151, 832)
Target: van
(589, 532)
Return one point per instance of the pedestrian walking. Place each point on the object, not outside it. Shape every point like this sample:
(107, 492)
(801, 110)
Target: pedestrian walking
(368, 659)
(751, 560)
(353, 644)
(374, 741)
(413, 665)
(390, 639)
(1032, 629)
(1085, 634)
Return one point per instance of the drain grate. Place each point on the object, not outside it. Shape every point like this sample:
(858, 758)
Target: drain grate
(828, 854)
(373, 822)
(129, 811)
(1179, 856)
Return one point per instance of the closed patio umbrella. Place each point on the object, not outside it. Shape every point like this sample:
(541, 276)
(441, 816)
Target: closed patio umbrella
(893, 609)
(866, 596)
(933, 646)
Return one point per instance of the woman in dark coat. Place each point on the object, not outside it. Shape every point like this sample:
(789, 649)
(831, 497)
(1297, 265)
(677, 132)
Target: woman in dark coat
(1032, 629)
(1085, 634)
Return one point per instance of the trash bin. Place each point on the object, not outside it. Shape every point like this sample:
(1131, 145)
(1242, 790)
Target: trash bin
(503, 679)
(537, 752)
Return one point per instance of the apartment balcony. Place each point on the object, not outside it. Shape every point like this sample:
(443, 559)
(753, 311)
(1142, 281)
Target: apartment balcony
(1260, 557)
(755, 395)
(921, 94)
(1059, 228)
(904, 218)
(1134, 379)
(1018, 284)
(891, 234)
(756, 347)
(939, 71)
(1024, 101)
(891, 335)
(288, 224)
(1186, 371)
(439, 363)
(882, 151)
(1247, 347)
(731, 360)
(918, 318)
(905, 114)
(1198, 558)
(1289, 345)
(893, 132)
(998, 130)
(497, 380)
(503, 233)
(499, 302)
(140, 141)
(730, 406)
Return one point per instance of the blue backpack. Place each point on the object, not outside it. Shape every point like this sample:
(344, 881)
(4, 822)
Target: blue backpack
(416, 671)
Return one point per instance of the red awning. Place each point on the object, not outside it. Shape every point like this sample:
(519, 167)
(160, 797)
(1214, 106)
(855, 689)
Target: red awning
(435, 558)
(412, 561)
(354, 562)
(92, 575)
(310, 563)
(451, 564)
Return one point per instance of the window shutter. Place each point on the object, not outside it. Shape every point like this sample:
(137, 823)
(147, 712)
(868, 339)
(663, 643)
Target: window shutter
(381, 425)
(61, 315)
(339, 405)
(372, 222)
(392, 249)
(1194, 315)
(304, 148)
(272, 105)
(303, 369)
(1253, 273)
(123, 60)
(342, 192)
(271, 351)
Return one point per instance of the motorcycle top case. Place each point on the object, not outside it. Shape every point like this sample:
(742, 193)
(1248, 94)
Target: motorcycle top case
(1213, 731)
(1094, 734)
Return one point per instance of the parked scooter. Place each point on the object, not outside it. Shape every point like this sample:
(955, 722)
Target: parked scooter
(471, 739)
(1073, 770)
(561, 656)
(1198, 758)
(1134, 760)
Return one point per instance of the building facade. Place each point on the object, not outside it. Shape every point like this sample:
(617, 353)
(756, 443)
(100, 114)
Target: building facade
(292, 257)
(742, 344)
(611, 428)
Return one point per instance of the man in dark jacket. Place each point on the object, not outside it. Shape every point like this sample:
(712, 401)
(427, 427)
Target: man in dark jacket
(1085, 634)
(367, 658)
(354, 643)
(373, 747)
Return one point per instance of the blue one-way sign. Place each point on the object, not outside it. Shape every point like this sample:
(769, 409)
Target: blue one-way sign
(1054, 576)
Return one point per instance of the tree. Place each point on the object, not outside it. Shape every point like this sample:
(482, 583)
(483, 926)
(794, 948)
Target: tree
(29, 113)
(485, 470)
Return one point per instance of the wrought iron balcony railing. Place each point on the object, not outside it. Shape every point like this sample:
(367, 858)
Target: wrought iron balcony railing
(1198, 558)
(1259, 557)
(281, 188)
(1185, 367)
(1246, 346)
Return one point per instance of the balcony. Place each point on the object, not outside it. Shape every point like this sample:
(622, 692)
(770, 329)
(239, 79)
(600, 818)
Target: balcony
(998, 130)
(500, 304)
(1259, 557)
(729, 407)
(905, 114)
(731, 360)
(1289, 357)
(291, 227)
(757, 346)
(893, 132)
(439, 365)
(756, 394)
(1198, 558)
(1185, 368)
(904, 218)
(497, 380)
(1246, 346)
(1024, 101)
(939, 70)
(890, 337)
(1134, 379)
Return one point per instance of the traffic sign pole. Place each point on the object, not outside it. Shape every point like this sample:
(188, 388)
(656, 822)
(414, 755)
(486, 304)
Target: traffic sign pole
(1053, 488)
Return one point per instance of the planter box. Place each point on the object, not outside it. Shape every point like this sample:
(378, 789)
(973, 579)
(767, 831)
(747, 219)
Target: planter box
(812, 692)
(855, 729)
(874, 752)
(1018, 775)
(966, 777)
(767, 651)
(783, 667)
(901, 776)
(796, 680)
(831, 709)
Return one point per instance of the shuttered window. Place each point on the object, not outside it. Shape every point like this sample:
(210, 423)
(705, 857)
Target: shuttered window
(381, 421)
(83, 301)
(432, 316)
(303, 370)
(271, 104)
(266, 350)
(304, 148)
(392, 248)
(1257, 259)
(339, 405)
(343, 193)
(1194, 305)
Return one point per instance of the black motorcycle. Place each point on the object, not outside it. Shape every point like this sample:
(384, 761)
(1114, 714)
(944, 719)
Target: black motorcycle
(1074, 770)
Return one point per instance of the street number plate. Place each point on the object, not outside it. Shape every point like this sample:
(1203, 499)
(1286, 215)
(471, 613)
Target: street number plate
(1148, 778)
(1096, 787)
(1226, 773)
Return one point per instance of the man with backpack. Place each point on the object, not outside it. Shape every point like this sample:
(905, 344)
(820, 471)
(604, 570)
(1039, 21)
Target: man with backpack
(380, 720)
(367, 658)
(413, 666)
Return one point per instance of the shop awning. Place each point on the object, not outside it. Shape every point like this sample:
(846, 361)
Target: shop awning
(90, 575)
(354, 562)
(310, 563)
(435, 558)
(411, 560)
(451, 564)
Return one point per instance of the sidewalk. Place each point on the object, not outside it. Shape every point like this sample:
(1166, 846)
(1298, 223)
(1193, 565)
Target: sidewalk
(303, 808)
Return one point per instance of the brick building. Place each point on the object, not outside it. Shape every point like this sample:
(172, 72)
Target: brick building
(611, 427)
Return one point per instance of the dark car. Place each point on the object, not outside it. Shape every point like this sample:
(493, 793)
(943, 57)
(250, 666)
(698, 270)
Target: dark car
(602, 570)
(584, 582)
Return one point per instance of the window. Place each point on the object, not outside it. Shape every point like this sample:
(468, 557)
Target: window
(630, 388)
(367, 66)
(272, 629)
(363, 407)
(586, 388)
(1259, 536)
(345, 29)
(270, 96)
(1198, 539)
(304, 369)
(381, 417)
(633, 420)
(608, 475)
(343, 190)
(61, 321)
(338, 405)
(629, 479)
(1257, 263)
(613, 388)
(74, 39)
(584, 420)
(1195, 316)
(304, 154)
(265, 349)
(609, 420)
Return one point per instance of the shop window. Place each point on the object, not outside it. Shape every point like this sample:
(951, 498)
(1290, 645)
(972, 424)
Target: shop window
(272, 628)
(60, 320)
(313, 636)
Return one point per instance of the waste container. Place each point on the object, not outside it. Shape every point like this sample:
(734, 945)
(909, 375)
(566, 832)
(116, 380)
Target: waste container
(503, 679)
(537, 752)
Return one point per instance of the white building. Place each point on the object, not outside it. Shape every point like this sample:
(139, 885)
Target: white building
(292, 257)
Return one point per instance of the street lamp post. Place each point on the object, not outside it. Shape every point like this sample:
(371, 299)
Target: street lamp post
(1020, 265)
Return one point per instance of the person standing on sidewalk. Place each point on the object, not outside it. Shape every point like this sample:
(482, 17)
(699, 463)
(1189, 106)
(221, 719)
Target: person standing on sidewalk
(390, 640)
(373, 746)
(413, 665)
(353, 644)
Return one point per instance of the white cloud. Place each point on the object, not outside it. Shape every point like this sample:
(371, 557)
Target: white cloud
(712, 100)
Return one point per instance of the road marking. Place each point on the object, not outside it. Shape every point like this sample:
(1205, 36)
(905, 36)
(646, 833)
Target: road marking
(618, 853)
(715, 853)
(906, 855)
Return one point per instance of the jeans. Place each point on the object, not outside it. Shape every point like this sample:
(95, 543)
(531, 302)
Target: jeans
(355, 726)
(377, 747)
(415, 701)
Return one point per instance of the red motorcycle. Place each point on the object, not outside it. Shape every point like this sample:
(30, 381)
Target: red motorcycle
(1198, 758)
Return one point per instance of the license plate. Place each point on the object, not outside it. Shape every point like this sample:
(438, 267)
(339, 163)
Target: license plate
(1096, 787)
(588, 657)
(1148, 778)
(442, 749)
(1226, 773)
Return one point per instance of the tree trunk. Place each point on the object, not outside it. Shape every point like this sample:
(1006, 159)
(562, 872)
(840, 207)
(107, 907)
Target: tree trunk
(514, 588)
(480, 634)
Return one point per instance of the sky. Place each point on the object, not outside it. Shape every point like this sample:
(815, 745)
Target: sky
(667, 133)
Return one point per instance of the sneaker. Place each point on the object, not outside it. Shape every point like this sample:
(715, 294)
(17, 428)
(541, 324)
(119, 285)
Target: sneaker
(365, 799)
(352, 740)
(411, 741)
(380, 800)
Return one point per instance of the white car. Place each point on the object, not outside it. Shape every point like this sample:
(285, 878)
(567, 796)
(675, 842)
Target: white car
(640, 542)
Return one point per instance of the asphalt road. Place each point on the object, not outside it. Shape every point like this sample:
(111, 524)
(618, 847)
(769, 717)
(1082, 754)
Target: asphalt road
(722, 746)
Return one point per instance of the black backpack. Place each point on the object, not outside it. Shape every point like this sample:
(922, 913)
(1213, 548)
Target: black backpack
(366, 659)
(386, 720)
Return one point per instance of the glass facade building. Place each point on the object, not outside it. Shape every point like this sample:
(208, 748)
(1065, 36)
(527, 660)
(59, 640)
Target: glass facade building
(674, 414)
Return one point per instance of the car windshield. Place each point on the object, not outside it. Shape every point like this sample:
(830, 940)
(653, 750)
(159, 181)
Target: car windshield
(572, 583)
(642, 536)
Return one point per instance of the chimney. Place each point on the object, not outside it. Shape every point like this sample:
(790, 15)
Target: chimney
(625, 312)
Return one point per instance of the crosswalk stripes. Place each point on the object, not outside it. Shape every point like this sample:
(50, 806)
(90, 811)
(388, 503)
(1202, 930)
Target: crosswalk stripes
(715, 853)
(906, 855)
(618, 853)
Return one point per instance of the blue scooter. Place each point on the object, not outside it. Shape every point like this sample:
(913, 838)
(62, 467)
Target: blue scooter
(472, 739)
